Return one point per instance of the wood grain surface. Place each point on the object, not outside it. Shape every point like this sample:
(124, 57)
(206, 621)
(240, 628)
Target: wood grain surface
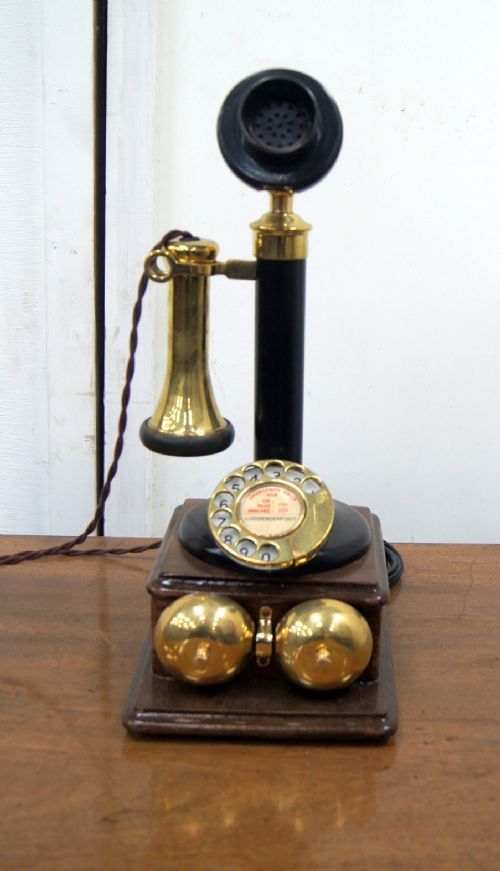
(79, 793)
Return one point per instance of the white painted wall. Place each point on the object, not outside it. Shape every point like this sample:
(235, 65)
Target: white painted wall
(403, 375)
(402, 402)
(47, 420)
(130, 229)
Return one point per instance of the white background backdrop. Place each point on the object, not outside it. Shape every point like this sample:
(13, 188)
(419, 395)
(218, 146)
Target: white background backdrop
(47, 417)
(403, 316)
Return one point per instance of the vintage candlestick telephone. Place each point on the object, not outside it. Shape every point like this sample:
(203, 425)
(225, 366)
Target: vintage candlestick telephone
(268, 599)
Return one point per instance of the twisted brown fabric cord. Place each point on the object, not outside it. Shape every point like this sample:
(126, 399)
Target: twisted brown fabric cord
(67, 549)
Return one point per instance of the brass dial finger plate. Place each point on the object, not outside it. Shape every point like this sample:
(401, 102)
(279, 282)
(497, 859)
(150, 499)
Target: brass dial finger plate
(271, 514)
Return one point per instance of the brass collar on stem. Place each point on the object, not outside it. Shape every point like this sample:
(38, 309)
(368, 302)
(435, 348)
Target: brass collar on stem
(280, 234)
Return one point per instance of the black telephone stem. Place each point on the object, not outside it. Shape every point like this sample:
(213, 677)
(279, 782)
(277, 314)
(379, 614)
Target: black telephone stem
(279, 359)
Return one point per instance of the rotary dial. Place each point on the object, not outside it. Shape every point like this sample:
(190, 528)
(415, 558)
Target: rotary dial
(271, 514)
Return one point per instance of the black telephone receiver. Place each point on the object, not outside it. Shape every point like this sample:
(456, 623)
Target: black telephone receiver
(270, 567)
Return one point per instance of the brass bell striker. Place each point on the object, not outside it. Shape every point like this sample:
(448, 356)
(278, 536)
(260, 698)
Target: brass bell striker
(204, 639)
(323, 644)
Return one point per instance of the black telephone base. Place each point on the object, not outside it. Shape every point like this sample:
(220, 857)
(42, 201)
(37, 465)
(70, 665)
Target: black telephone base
(349, 539)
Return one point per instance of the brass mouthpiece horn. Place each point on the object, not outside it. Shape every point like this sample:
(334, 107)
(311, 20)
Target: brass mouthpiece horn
(186, 421)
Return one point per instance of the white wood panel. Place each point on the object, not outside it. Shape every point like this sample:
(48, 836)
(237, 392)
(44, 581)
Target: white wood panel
(403, 313)
(47, 418)
(129, 235)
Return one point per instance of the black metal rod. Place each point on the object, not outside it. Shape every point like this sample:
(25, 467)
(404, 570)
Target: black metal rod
(100, 116)
(279, 359)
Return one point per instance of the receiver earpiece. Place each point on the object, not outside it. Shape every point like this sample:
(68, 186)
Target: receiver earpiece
(279, 129)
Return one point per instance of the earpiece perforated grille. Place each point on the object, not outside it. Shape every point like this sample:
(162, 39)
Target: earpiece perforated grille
(281, 124)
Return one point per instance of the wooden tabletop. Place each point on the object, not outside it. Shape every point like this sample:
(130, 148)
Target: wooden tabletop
(79, 793)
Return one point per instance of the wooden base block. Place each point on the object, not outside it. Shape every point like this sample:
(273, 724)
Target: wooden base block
(274, 710)
(261, 703)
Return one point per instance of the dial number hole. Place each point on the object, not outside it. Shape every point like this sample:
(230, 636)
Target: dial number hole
(229, 535)
(252, 473)
(274, 470)
(294, 474)
(223, 500)
(221, 518)
(311, 485)
(268, 553)
(246, 547)
(235, 483)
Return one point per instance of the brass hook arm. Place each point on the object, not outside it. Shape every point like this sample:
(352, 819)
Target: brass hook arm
(243, 270)
(184, 263)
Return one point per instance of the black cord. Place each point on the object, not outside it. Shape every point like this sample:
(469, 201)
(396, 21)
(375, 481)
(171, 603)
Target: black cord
(395, 564)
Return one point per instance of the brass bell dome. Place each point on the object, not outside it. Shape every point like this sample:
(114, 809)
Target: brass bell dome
(204, 639)
(323, 644)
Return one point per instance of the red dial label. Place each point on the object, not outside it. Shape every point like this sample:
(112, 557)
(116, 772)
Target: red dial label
(271, 510)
